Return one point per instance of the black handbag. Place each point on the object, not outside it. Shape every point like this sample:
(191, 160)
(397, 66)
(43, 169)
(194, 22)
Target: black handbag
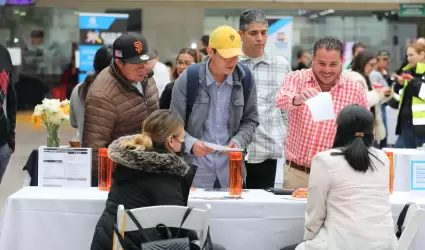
(169, 243)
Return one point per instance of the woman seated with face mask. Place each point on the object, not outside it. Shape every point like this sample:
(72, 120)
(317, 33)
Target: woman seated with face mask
(150, 172)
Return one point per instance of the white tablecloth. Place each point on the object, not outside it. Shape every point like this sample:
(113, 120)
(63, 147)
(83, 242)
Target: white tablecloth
(53, 218)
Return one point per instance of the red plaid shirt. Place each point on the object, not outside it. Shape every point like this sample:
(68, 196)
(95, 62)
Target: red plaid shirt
(306, 137)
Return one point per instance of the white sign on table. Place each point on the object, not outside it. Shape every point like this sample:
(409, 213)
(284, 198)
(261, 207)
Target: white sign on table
(64, 167)
(402, 158)
(417, 175)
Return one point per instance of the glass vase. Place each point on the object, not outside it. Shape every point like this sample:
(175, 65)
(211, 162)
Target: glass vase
(53, 136)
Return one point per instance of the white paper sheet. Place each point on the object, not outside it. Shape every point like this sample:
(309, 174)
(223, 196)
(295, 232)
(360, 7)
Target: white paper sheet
(64, 167)
(321, 107)
(222, 148)
(15, 55)
(417, 175)
(422, 92)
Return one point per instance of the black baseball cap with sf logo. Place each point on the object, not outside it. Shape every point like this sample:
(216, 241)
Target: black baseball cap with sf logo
(132, 48)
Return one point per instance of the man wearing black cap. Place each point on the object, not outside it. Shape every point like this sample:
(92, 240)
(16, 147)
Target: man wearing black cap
(121, 97)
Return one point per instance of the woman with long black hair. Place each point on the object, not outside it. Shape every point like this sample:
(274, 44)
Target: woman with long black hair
(362, 65)
(348, 203)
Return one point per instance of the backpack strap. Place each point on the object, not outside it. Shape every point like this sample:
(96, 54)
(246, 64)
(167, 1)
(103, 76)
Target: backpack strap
(193, 84)
(246, 82)
(186, 214)
(192, 88)
(400, 220)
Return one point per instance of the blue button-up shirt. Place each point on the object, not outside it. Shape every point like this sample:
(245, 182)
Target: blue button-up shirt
(216, 131)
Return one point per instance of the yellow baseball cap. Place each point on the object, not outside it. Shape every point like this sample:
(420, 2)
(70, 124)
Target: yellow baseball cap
(226, 41)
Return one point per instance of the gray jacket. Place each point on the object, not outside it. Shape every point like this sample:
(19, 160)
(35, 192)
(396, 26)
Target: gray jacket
(76, 114)
(243, 116)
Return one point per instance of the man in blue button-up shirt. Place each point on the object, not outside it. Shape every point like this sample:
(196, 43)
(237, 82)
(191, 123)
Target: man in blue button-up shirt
(219, 114)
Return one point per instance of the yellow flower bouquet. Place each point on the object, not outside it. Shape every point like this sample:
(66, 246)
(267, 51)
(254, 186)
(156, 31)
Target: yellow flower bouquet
(52, 113)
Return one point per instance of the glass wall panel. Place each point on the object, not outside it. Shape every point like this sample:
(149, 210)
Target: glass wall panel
(349, 26)
(45, 38)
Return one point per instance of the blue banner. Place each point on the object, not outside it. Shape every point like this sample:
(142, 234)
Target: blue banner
(99, 21)
(96, 30)
(87, 53)
(82, 77)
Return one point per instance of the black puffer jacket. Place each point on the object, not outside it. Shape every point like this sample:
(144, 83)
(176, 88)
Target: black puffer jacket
(141, 179)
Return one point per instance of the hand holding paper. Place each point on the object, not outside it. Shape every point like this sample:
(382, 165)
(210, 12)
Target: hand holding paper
(321, 107)
(217, 147)
(200, 149)
(305, 94)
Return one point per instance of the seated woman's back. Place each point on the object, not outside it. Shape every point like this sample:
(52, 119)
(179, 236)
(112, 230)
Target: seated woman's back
(358, 204)
(348, 203)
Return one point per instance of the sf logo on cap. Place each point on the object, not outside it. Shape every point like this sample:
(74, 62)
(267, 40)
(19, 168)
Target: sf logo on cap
(138, 46)
(232, 37)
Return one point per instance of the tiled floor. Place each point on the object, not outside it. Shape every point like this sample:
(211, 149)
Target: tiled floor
(27, 139)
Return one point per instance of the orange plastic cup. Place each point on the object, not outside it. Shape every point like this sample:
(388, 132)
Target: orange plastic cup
(235, 173)
(391, 157)
(106, 167)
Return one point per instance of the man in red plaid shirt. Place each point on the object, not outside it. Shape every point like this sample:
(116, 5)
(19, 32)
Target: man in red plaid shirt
(306, 137)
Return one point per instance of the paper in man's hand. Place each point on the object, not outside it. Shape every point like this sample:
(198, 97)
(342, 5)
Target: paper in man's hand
(321, 107)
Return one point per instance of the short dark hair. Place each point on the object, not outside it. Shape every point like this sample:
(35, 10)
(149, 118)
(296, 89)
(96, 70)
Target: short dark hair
(169, 64)
(203, 51)
(300, 54)
(329, 43)
(37, 34)
(354, 137)
(249, 16)
(356, 46)
(205, 40)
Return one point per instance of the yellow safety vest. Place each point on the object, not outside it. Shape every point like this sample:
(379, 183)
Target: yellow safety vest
(418, 105)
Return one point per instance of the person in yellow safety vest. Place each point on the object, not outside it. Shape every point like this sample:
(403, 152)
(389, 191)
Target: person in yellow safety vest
(410, 92)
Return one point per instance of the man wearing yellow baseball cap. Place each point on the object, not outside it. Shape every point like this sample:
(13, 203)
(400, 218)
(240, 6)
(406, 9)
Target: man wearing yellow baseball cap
(217, 99)
(226, 41)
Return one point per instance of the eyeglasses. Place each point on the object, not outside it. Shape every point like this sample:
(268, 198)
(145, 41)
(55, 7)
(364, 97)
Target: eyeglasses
(185, 63)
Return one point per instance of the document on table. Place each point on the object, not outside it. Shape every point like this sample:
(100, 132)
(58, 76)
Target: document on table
(321, 107)
(64, 167)
(417, 175)
(222, 148)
